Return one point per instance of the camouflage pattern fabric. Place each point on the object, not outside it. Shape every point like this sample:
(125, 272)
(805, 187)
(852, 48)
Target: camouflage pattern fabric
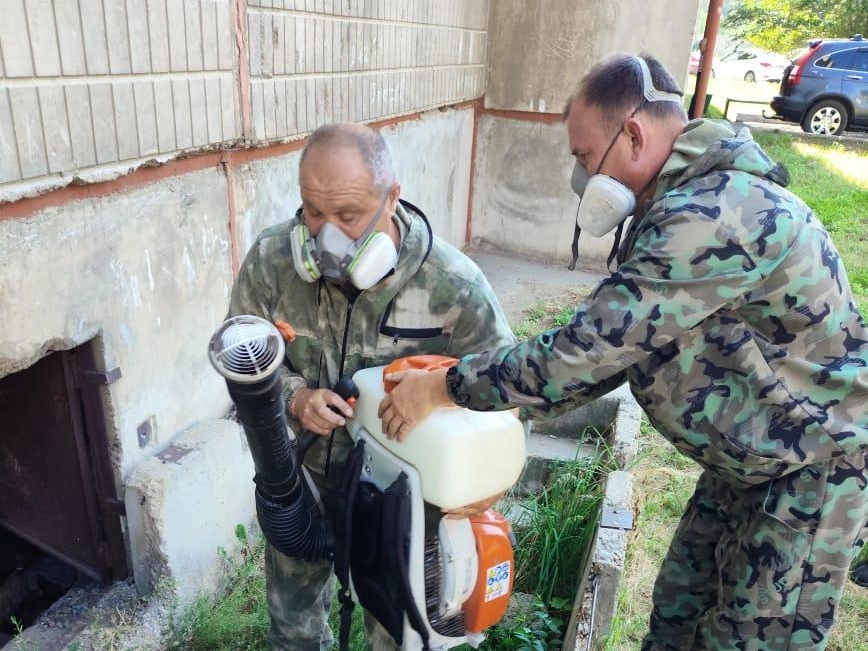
(731, 316)
(442, 306)
(759, 569)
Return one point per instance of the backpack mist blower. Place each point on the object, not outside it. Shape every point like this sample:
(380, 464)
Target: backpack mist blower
(432, 582)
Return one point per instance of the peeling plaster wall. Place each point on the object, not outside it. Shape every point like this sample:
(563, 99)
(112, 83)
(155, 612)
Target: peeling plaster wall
(538, 51)
(522, 200)
(147, 273)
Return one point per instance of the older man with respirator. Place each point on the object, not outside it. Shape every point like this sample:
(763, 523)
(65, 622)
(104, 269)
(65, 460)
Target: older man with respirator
(361, 278)
(730, 315)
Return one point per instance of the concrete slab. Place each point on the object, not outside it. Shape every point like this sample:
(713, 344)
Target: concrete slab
(200, 484)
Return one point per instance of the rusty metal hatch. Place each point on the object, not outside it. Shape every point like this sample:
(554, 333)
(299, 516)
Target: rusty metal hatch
(56, 483)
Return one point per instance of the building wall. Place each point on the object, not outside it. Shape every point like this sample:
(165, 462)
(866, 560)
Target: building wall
(146, 272)
(431, 152)
(537, 52)
(338, 60)
(92, 89)
(522, 199)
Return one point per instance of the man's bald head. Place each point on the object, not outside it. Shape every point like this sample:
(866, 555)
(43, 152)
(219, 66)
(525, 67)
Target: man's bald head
(368, 142)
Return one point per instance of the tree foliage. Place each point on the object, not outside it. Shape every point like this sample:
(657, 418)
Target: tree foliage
(786, 25)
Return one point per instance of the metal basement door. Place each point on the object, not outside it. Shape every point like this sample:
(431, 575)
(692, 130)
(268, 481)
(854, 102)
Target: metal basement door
(56, 484)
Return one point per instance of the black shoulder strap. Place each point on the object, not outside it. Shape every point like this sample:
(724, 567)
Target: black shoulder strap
(575, 248)
(343, 543)
(616, 244)
(396, 509)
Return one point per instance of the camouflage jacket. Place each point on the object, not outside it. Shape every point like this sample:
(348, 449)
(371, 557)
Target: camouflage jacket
(730, 315)
(436, 301)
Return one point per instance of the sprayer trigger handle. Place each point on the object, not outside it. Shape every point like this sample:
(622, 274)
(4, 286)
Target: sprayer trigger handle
(347, 389)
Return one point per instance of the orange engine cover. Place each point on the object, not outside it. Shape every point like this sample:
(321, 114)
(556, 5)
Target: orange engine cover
(417, 362)
(490, 597)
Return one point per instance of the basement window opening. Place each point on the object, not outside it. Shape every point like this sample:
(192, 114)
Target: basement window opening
(60, 519)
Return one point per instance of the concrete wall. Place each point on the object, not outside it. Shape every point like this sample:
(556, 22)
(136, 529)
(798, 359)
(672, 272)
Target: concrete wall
(522, 200)
(538, 51)
(147, 273)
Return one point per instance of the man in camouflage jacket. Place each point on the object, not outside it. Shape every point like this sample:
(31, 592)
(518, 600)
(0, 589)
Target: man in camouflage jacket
(436, 301)
(731, 317)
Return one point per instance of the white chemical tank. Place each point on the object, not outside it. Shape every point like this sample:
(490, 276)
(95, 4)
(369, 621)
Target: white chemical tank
(462, 456)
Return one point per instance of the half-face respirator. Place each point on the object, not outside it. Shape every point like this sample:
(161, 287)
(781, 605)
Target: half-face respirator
(338, 258)
(606, 201)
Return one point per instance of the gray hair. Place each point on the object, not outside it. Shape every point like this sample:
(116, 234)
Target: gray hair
(369, 142)
(615, 85)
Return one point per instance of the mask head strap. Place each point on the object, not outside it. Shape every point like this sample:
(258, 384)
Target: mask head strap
(649, 92)
(370, 227)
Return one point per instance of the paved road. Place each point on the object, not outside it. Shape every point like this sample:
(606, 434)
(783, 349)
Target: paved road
(759, 122)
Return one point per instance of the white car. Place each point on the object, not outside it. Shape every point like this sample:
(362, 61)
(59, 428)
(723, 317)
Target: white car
(750, 65)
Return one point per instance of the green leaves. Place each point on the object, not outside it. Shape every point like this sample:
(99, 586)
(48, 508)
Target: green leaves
(786, 25)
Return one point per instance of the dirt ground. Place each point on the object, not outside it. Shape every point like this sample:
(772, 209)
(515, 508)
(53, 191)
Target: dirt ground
(521, 283)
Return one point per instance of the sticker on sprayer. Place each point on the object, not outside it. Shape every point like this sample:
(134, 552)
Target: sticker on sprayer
(497, 581)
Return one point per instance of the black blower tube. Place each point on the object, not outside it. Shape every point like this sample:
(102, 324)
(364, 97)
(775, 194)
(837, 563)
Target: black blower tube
(248, 351)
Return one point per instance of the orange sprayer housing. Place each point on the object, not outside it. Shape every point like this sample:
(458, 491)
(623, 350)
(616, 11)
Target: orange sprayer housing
(490, 597)
(417, 362)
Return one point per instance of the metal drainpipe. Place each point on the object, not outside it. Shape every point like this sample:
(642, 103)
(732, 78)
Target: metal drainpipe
(712, 23)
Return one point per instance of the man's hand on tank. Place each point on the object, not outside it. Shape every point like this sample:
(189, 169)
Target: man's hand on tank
(473, 509)
(320, 410)
(416, 394)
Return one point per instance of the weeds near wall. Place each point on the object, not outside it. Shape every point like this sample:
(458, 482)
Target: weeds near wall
(557, 527)
(239, 620)
(552, 314)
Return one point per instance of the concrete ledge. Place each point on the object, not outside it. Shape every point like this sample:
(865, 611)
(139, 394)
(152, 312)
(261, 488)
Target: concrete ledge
(183, 505)
(597, 596)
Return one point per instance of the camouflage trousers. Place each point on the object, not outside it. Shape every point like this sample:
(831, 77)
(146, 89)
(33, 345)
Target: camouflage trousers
(761, 568)
(300, 593)
(299, 597)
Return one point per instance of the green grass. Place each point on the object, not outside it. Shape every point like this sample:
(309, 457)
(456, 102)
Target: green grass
(663, 481)
(239, 620)
(831, 177)
(557, 527)
(553, 533)
(544, 315)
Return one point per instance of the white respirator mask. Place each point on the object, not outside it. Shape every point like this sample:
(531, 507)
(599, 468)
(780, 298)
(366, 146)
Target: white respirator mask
(606, 201)
(338, 258)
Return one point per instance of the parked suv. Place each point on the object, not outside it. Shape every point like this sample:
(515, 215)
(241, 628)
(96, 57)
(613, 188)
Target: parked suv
(825, 88)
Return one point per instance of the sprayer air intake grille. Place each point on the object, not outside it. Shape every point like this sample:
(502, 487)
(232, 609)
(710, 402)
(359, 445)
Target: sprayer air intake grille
(246, 349)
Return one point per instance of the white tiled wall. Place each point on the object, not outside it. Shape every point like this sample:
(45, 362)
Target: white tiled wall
(313, 62)
(89, 82)
(85, 83)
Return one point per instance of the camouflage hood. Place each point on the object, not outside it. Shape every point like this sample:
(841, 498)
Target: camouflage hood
(715, 146)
